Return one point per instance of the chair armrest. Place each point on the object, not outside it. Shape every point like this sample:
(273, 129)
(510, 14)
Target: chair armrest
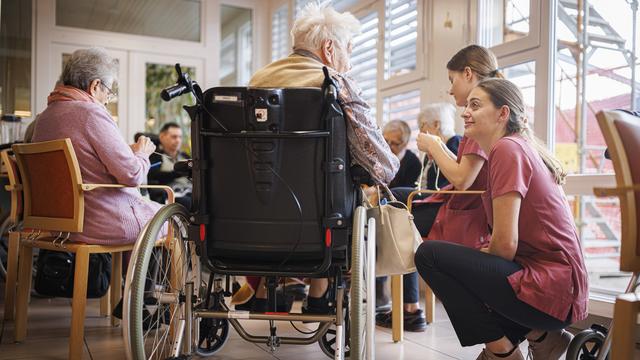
(457, 192)
(167, 189)
(615, 191)
(17, 187)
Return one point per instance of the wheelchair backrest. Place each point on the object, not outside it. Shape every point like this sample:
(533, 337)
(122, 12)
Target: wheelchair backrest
(276, 185)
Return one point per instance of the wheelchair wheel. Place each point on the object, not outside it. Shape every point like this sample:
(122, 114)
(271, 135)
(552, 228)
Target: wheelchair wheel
(328, 341)
(358, 292)
(213, 333)
(586, 345)
(161, 266)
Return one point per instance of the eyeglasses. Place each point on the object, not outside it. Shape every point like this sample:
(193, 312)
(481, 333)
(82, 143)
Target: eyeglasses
(111, 95)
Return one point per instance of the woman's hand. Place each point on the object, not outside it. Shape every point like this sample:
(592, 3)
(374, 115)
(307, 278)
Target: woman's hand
(371, 192)
(427, 142)
(143, 145)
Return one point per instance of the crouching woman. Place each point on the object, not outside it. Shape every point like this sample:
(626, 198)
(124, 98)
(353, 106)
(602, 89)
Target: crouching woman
(531, 281)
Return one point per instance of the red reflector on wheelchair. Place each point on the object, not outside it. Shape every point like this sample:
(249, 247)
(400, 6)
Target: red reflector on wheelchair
(202, 232)
(327, 238)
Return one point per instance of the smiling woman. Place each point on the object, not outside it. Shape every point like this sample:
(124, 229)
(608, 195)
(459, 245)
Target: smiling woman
(507, 292)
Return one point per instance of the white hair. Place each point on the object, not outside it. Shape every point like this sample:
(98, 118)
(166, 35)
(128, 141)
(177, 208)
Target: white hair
(86, 65)
(443, 112)
(398, 125)
(318, 22)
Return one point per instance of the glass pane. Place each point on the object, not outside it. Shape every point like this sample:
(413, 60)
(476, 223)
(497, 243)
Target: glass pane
(158, 111)
(600, 236)
(172, 19)
(365, 59)
(236, 56)
(400, 37)
(503, 21)
(280, 33)
(524, 76)
(406, 107)
(15, 62)
(608, 85)
(112, 106)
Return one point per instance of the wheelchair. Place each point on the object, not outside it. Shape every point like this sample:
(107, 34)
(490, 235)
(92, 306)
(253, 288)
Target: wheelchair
(273, 196)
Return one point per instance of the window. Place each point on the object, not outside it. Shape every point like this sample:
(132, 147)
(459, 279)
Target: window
(365, 59)
(400, 42)
(236, 61)
(404, 106)
(280, 33)
(15, 62)
(592, 76)
(159, 112)
(171, 19)
(503, 20)
(524, 75)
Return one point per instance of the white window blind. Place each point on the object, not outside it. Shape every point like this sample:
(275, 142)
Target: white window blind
(404, 106)
(280, 33)
(365, 59)
(401, 33)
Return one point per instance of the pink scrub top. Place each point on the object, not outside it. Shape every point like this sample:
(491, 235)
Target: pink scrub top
(553, 278)
(461, 219)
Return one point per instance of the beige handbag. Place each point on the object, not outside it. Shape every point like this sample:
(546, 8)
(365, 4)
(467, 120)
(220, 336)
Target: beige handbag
(396, 237)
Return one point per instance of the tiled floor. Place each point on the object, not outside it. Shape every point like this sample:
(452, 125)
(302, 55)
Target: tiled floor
(49, 321)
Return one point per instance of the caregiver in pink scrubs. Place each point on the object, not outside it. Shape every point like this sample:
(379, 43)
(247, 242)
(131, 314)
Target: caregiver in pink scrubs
(530, 282)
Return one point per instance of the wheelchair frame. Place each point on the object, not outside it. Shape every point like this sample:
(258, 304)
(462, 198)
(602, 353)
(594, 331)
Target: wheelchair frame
(188, 326)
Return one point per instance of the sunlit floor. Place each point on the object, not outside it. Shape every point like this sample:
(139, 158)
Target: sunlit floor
(49, 321)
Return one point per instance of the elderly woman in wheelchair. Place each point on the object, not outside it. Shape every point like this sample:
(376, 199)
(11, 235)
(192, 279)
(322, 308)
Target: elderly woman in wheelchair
(274, 196)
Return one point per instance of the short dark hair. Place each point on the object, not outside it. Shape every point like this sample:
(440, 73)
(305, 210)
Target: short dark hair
(168, 126)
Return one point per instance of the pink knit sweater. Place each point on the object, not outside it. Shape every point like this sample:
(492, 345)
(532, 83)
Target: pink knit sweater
(111, 216)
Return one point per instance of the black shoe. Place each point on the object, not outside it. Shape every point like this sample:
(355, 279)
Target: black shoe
(317, 306)
(414, 322)
(117, 310)
(298, 291)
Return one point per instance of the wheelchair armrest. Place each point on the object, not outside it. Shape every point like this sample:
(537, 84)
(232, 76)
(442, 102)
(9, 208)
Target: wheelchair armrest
(456, 192)
(167, 189)
(615, 191)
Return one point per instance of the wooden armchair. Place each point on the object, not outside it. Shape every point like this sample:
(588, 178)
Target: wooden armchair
(54, 208)
(397, 312)
(622, 135)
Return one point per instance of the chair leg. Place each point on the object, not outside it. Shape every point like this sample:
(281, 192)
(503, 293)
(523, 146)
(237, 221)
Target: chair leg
(78, 304)
(105, 303)
(625, 314)
(397, 310)
(25, 264)
(116, 283)
(429, 304)
(12, 275)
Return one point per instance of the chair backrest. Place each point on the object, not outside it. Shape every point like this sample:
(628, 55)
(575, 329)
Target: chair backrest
(276, 179)
(15, 185)
(53, 198)
(622, 134)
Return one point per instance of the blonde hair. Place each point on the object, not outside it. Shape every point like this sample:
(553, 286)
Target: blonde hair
(479, 59)
(505, 93)
(443, 112)
(318, 22)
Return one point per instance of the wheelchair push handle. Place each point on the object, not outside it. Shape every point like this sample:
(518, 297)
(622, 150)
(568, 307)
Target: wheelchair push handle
(183, 86)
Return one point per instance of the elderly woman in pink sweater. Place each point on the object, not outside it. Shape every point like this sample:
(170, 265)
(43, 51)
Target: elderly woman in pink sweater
(76, 110)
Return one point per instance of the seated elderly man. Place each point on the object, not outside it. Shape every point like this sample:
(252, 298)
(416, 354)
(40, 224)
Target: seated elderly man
(162, 163)
(323, 37)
